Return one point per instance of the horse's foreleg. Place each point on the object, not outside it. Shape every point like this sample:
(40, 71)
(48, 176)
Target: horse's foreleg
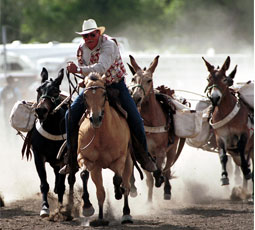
(133, 189)
(223, 161)
(40, 167)
(96, 175)
(87, 208)
(244, 164)
(117, 181)
(149, 183)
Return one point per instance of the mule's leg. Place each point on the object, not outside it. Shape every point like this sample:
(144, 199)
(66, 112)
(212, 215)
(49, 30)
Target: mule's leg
(87, 209)
(40, 167)
(149, 182)
(127, 174)
(223, 161)
(133, 189)
(244, 164)
(167, 186)
(59, 185)
(97, 178)
(159, 179)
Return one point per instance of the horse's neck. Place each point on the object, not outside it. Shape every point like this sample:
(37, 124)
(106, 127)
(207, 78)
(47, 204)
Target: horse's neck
(150, 110)
(226, 105)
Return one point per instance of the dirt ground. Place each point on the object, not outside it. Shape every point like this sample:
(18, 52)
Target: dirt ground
(215, 214)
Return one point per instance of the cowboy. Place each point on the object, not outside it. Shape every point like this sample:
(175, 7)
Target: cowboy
(99, 53)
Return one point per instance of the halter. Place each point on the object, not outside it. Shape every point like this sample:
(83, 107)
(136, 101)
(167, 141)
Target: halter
(52, 99)
(138, 86)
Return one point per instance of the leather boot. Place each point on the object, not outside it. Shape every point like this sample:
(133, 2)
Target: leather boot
(144, 158)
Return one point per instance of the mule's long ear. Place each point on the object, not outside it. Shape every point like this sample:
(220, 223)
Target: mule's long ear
(154, 64)
(134, 64)
(210, 67)
(44, 74)
(226, 65)
(60, 77)
(233, 73)
(131, 69)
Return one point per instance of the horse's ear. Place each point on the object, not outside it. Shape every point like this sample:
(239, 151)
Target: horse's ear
(154, 64)
(210, 67)
(134, 64)
(131, 69)
(60, 77)
(226, 65)
(44, 74)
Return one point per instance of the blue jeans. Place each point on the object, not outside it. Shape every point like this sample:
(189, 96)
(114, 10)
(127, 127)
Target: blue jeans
(134, 119)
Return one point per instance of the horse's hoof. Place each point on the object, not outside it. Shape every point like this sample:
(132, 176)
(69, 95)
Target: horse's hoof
(126, 219)
(99, 222)
(159, 181)
(45, 212)
(167, 196)
(224, 181)
(88, 211)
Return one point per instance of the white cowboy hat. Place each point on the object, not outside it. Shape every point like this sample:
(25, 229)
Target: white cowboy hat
(89, 26)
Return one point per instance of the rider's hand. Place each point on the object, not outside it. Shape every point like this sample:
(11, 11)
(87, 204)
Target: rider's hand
(81, 84)
(71, 67)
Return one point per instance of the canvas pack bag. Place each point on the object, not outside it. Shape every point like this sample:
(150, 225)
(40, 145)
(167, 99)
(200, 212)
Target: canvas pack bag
(22, 117)
(246, 93)
(187, 123)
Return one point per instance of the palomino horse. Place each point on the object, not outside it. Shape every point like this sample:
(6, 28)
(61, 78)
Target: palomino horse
(162, 143)
(104, 142)
(231, 122)
(47, 136)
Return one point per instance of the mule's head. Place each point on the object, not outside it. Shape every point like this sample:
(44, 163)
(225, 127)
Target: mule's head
(142, 81)
(218, 82)
(94, 98)
(48, 94)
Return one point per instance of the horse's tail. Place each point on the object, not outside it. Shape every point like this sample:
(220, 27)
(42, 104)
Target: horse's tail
(134, 160)
(27, 146)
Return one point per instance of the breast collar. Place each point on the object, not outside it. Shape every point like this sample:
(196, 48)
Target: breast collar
(47, 135)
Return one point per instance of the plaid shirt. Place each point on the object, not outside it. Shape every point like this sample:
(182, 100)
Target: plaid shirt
(104, 58)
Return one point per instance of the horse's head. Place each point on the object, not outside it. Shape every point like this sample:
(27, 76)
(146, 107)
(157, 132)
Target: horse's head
(142, 84)
(48, 94)
(218, 82)
(94, 98)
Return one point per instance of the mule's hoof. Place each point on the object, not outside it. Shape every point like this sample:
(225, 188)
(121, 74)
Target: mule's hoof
(88, 211)
(126, 219)
(248, 176)
(224, 181)
(159, 181)
(133, 192)
(45, 212)
(167, 196)
(99, 222)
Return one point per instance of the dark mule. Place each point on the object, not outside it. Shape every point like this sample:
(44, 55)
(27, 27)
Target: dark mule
(231, 121)
(48, 136)
(162, 142)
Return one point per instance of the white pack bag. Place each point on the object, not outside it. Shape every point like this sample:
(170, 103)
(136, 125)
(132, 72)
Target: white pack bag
(247, 93)
(22, 117)
(187, 123)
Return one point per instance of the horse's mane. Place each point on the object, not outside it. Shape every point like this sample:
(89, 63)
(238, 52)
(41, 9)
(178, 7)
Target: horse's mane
(94, 76)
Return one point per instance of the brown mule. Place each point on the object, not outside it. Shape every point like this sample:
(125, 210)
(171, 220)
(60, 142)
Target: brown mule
(104, 142)
(156, 123)
(231, 122)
